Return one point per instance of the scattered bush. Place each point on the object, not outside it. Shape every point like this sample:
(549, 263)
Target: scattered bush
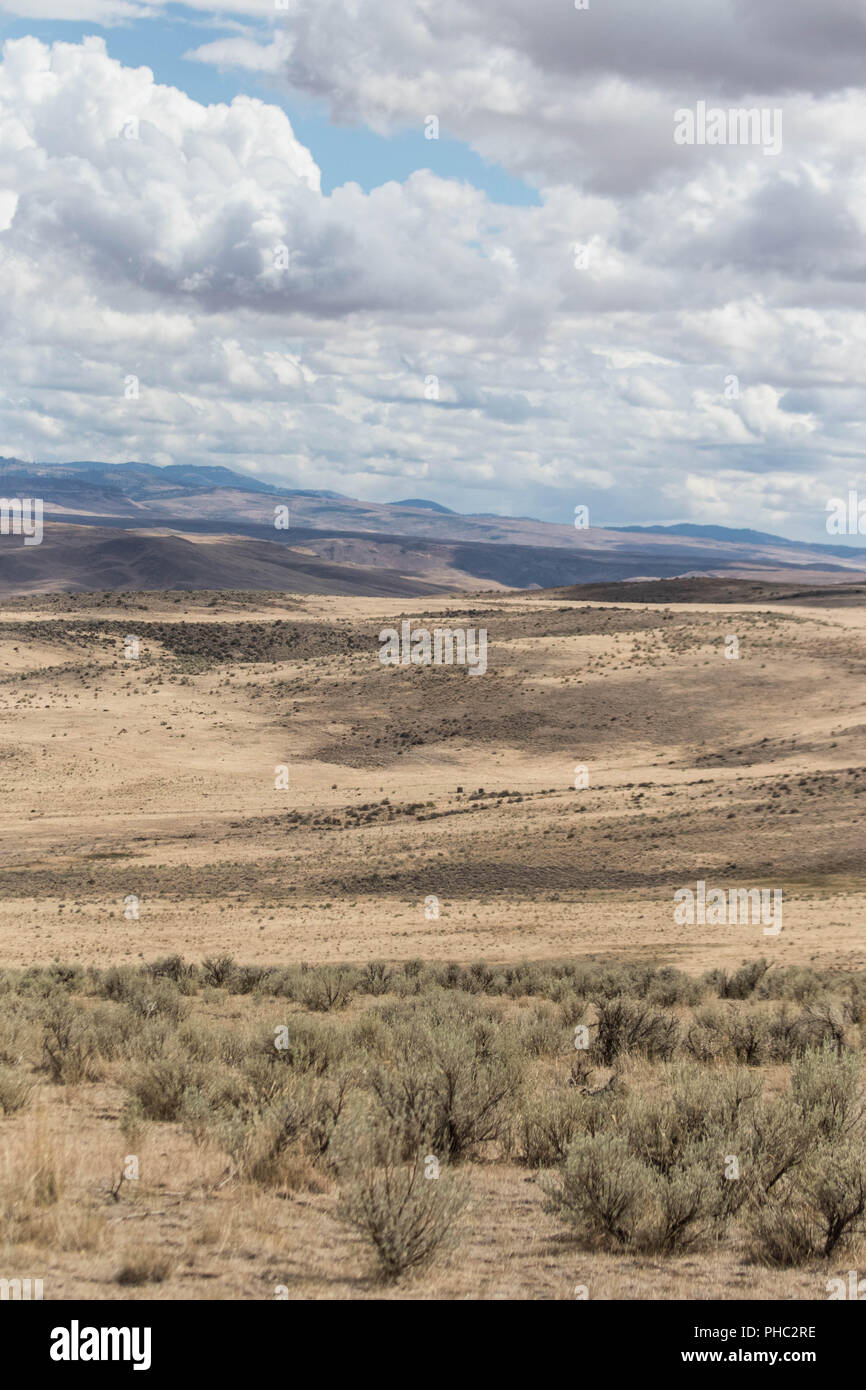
(160, 1087)
(15, 1089)
(820, 1209)
(602, 1190)
(625, 1027)
(451, 1078)
(442, 1062)
(326, 989)
(69, 1049)
(403, 1208)
(217, 971)
(742, 984)
(145, 1267)
(547, 1125)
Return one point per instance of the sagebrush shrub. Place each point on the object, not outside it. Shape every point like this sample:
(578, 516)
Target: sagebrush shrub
(304, 1044)
(818, 1209)
(150, 996)
(302, 1119)
(405, 1209)
(15, 1089)
(217, 971)
(174, 968)
(69, 1049)
(826, 1090)
(451, 1079)
(120, 1031)
(609, 1196)
(742, 983)
(782, 1233)
(625, 1026)
(375, 978)
(327, 988)
(602, 1190)
(547, 1125)
(160, 1086)
(669, 987)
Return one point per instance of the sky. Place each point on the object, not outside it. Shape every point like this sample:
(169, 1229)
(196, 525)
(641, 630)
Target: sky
(496, 255)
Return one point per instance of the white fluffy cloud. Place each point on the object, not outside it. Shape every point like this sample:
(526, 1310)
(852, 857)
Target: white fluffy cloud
(111, 12)
(419, 337)
(556, 93)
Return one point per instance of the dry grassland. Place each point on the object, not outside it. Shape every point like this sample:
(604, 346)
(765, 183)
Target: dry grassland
(141, 821)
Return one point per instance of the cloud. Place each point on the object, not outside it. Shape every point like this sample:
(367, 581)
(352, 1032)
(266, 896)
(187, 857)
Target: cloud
(111, 12)
(556, 93)
(84, 11)
(176, 286)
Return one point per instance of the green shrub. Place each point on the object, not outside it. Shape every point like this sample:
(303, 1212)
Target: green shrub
(547, 1125)
(627, 1027)
(697, 1110)
(402, 1212)
(369, 1034)
(540, 1034)
(174, 968)
(775, 1141)
(265, 1137)
(782, 1233)
(826, 1090)
(160, 1086)
(205, 1105)
(217, 971)
(15, 1089)
(122, 1032)
(149, 996)
(610, 1197)
(602, 1190)
(451, 1078)
(304, 1044)
(669, 987)
(69, 1050)
(706, 1038)
(821, 1208)
(375, 978)
(328, 988)
(742, 984)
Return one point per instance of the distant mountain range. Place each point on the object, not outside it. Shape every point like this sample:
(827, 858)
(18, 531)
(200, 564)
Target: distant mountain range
(192, 527)
(730, 534)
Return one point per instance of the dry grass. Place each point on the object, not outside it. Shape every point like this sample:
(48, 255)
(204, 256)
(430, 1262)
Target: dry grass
(294, 1158)
(141, 819)
(744, 771)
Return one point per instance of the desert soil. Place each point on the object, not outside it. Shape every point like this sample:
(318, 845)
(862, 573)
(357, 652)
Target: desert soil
(154, 778)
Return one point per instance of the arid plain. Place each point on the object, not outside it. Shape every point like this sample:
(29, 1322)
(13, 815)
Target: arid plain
(142, 817)
(155, 777)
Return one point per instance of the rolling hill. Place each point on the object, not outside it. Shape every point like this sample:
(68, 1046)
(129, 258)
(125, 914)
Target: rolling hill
(135, 525)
